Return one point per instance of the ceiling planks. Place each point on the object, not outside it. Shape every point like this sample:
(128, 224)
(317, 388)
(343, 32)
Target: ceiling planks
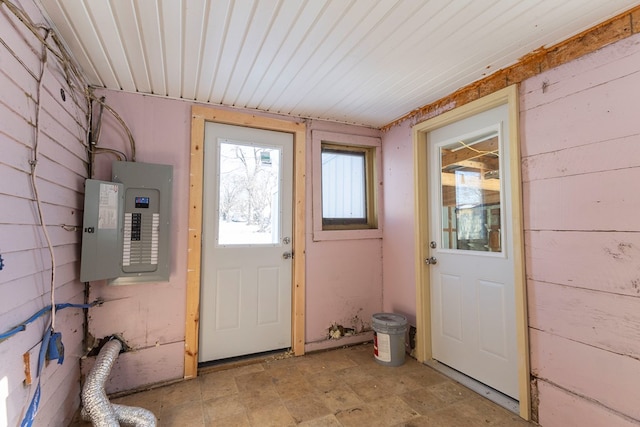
(356, 61)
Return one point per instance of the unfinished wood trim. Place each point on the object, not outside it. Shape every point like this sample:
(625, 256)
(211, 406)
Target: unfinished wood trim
(200, 115)
(507, 96)
(192, 320)
(617, 28)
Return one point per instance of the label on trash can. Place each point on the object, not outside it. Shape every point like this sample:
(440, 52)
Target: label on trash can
(382, 347)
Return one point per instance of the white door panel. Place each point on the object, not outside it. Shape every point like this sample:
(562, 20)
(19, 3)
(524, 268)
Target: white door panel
(472, 279)
(247, 225)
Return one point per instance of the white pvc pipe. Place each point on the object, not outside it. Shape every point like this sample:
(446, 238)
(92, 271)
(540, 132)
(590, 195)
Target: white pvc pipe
(95, 403)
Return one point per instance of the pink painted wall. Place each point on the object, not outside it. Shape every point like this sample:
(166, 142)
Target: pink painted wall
(580, 138)
(581, 162)
(150, 317)
(399, 224)
(25, 280)
(344, 278)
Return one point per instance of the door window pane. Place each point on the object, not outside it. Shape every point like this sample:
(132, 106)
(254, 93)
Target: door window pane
(248, 194)
(470, 183)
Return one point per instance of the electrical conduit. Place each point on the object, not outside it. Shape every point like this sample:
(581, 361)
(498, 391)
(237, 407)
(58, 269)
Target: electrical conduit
(95, 404)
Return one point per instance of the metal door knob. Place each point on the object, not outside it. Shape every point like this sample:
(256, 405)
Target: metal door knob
(430, 261)
(287, 255)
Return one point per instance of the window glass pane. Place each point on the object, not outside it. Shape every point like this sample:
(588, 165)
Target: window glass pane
(344, 194)
(248, 194)
(471, 195)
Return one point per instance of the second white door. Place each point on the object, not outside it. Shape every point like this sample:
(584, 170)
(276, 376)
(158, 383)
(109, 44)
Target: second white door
(245, 304)
(472, 254)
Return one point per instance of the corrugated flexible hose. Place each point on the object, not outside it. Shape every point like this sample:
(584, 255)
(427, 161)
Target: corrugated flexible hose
(95, 403)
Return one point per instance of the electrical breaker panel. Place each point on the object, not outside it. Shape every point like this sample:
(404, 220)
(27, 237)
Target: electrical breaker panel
(144, 226)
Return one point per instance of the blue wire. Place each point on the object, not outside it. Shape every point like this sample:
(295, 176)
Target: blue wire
(30, 416)
(23, 326)
(32, 410)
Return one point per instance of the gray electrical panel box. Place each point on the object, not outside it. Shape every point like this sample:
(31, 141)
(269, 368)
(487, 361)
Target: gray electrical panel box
(140, 250)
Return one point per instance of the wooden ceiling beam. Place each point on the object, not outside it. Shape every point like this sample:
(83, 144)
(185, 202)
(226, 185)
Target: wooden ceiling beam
(486, 163)
(480, 149)
(449, 180)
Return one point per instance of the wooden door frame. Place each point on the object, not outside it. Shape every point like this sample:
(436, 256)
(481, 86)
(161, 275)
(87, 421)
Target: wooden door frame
(199, 116)
(507, 96)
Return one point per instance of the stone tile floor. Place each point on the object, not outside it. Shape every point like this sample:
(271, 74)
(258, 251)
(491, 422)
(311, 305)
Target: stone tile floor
(344, 387)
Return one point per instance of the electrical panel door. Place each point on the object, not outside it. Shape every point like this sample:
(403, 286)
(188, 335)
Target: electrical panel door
(102, 230)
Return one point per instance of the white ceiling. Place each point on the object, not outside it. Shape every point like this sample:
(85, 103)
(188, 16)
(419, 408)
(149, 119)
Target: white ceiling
(356, 61)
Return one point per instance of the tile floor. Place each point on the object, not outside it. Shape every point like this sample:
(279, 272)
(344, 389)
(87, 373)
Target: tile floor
(344, 387)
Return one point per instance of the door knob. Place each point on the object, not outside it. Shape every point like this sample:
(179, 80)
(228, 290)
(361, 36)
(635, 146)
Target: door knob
(287, 255)
(430, 261)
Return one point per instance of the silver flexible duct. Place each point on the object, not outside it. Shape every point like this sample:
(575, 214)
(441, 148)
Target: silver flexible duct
(134, 416)
(94, 399)
(96, 405)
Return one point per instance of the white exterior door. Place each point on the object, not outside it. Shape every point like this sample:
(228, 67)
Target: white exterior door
(471, 253)
(246, 278)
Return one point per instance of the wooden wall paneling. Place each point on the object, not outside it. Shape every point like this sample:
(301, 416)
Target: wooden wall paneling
(74, 105)
(587, 371)
(13, 91)
(72, 160)
(21, 42)
(558, 408)
(611, 117)
(54, 172)
(24, 282)
(61, 129)
(15, 126)
(17, 183)
(20, 237)
(598, 68)
(14, 155)
(21, 212)
(23, 79)
(618, 153)
(67, 272)
(604, 262)
(60, 139)
(604, 320)
(53, 194)
(67, 380)
(592, 201)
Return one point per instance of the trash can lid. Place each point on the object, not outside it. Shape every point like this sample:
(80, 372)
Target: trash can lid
(389, 319)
